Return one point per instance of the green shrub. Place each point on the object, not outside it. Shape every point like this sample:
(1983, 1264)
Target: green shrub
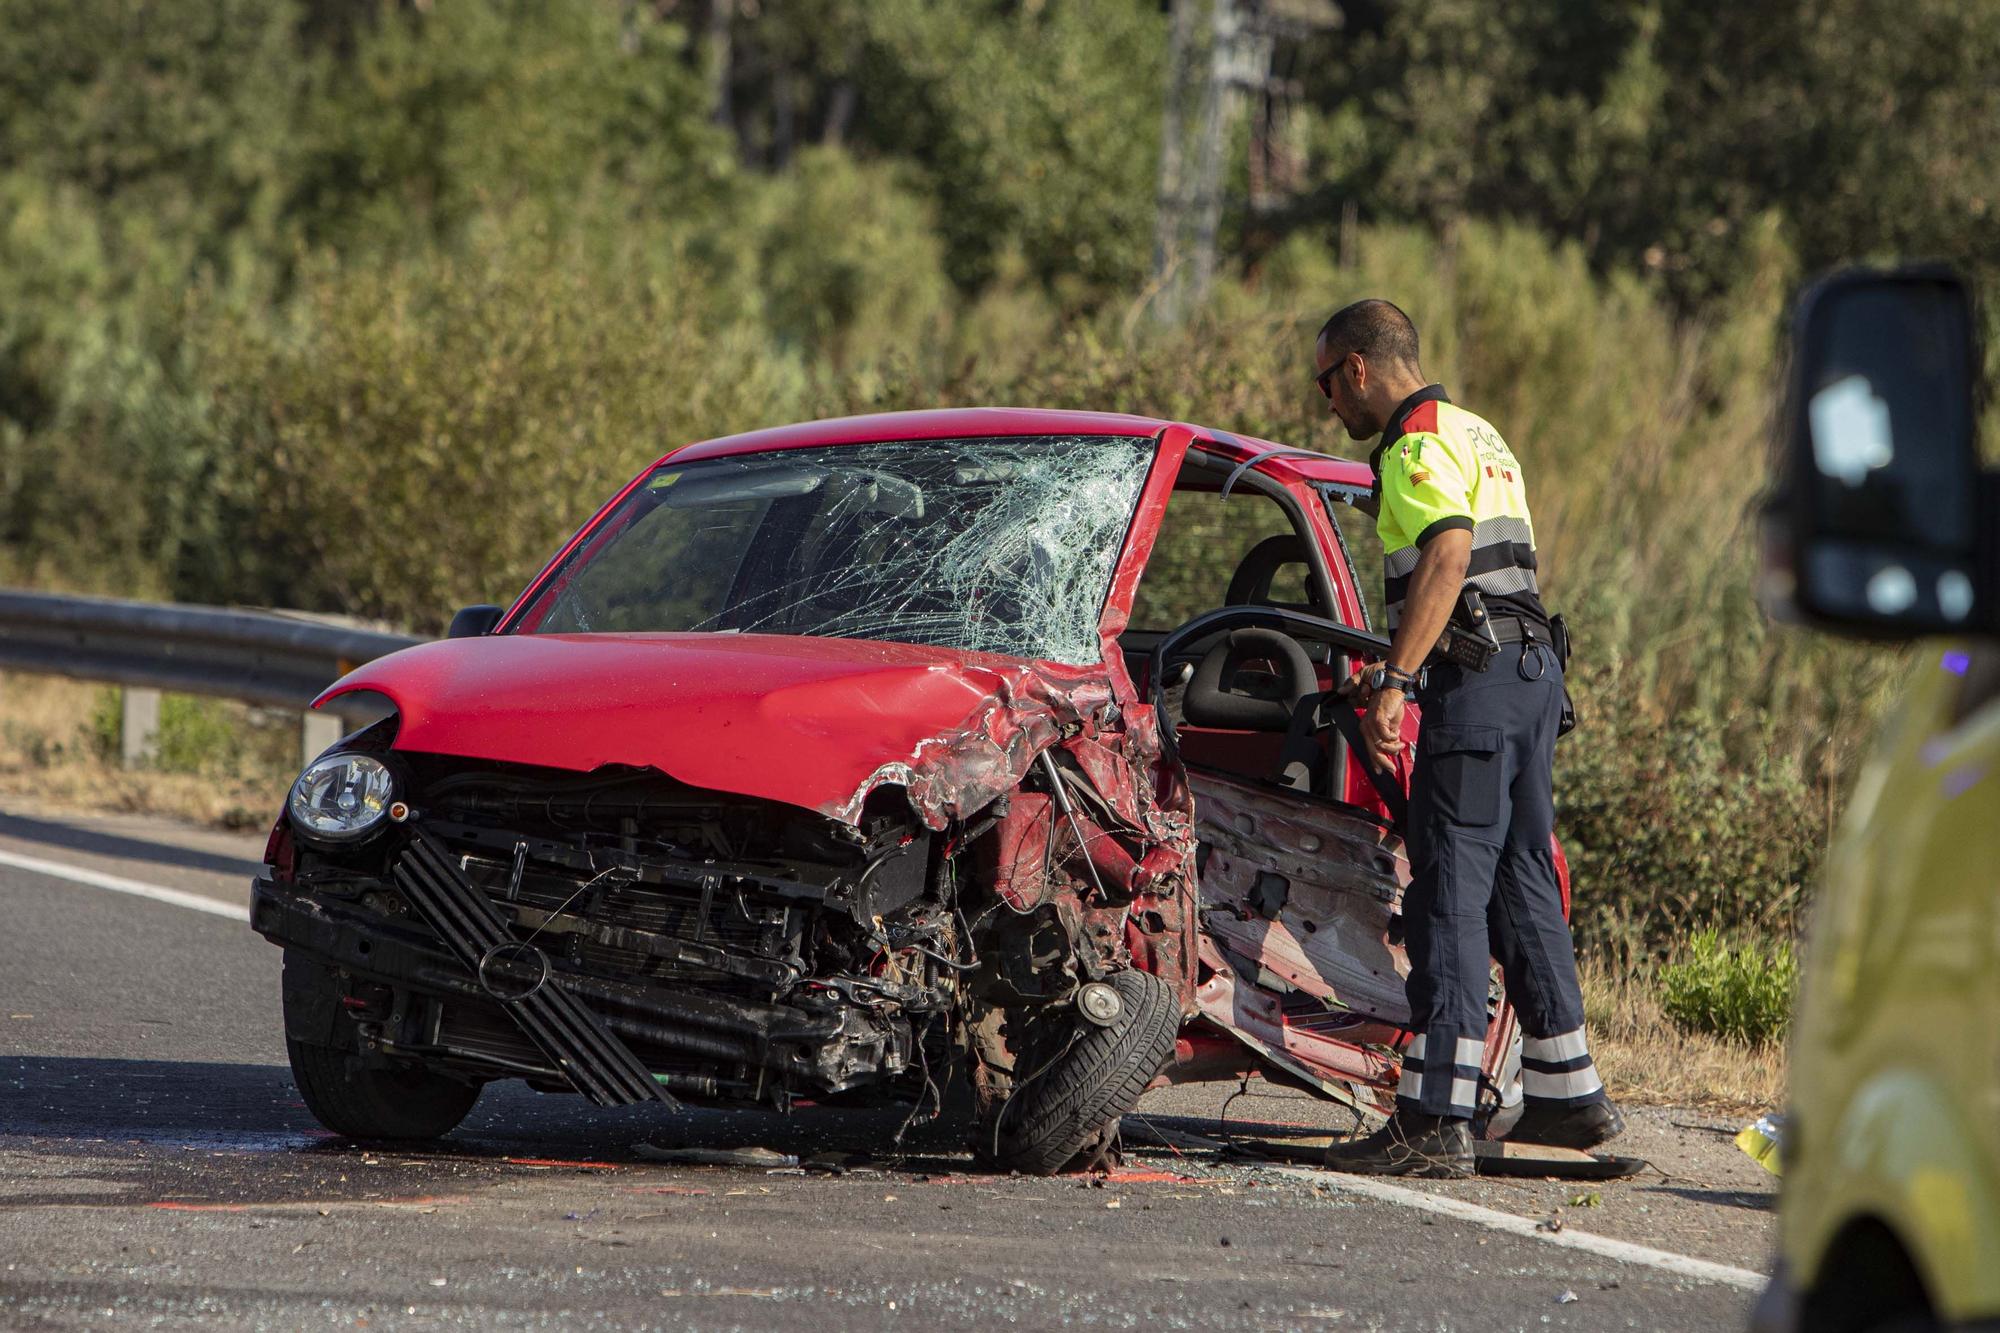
(1744, 994)
(197, 736)
(106, 723)
(1669, 822)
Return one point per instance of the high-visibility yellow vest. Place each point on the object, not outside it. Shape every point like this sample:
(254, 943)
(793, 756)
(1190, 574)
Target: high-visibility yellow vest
(1440, 467)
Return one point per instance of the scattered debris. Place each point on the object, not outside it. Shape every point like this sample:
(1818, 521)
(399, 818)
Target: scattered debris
(832, 1163)
(1586, 1199)
(1567, 1298)
(1762, 1140)
(715, 1156)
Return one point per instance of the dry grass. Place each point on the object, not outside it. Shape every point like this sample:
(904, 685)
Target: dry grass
(58, 745)
(1646, 1060)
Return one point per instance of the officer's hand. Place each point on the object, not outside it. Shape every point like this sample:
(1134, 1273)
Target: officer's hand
(1383, 729)
(1355, 687)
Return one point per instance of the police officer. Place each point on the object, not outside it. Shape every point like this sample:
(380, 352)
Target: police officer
(1452, 512)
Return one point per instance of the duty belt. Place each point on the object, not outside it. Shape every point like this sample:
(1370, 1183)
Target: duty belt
(1473, 635)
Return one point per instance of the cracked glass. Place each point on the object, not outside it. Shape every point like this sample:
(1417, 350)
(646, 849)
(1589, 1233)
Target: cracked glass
(1001, 545)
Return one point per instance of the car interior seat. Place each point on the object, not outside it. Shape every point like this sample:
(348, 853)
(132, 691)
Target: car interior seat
(1251, 584)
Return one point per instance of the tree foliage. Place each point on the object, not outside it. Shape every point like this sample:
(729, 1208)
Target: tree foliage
(1658, 132)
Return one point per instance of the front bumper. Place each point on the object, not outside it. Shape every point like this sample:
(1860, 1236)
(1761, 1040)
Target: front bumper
(827, 1050)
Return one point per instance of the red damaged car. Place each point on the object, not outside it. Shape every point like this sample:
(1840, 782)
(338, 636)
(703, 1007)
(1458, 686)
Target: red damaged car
(829, 761)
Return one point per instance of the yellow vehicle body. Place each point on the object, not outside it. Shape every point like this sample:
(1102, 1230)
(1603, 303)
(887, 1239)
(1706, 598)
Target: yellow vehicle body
(1891, 1199)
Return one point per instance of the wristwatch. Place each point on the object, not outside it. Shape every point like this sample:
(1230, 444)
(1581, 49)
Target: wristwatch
(1393, 678)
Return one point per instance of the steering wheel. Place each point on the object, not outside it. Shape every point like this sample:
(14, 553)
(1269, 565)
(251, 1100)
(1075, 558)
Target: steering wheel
(1224, 693)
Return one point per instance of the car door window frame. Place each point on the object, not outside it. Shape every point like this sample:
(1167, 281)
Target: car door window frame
(1203, 463)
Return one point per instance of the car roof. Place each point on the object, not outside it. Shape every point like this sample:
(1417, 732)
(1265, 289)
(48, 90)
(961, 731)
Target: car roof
(977, 422)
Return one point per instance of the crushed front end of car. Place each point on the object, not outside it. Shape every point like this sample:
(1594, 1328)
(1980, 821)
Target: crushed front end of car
(745, 868)
(737, 951)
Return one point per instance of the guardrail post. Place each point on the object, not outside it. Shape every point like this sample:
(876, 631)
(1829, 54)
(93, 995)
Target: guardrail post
(316, 732)
(139, 727)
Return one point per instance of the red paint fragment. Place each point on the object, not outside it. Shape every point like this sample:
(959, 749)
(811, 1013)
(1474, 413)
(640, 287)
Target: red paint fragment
(1138, 1177)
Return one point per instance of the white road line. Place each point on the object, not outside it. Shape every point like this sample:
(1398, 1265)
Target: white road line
(1665, 1260)
(159, 893)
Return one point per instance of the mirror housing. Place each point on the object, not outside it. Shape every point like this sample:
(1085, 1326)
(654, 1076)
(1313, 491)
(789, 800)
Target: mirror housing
(473, 621)
(1880, 524)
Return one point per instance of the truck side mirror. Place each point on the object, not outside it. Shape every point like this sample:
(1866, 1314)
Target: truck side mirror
(474, 621)
(1878, 525)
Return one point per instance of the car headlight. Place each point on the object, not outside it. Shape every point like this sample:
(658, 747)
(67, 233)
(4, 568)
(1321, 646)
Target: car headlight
(340, 797)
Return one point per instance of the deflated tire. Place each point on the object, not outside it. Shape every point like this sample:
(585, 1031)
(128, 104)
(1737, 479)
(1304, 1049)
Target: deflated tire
(1082, 1078)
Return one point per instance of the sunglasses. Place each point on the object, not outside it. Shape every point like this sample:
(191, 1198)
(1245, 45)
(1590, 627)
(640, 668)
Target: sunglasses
(1325, 378)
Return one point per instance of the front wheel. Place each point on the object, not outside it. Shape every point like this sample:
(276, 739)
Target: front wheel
(377, 1103)
(1083, 1077)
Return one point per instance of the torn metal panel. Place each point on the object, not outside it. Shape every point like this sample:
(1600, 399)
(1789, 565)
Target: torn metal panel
(1118, 862)
(1304, 896)
(1297, 901)
(1345, 1070)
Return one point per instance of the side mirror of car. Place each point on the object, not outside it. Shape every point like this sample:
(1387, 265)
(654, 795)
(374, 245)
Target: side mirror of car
(474, 621)
(1881, 524)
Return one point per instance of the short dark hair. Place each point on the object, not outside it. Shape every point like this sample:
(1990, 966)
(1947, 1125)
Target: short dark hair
(1374, 328)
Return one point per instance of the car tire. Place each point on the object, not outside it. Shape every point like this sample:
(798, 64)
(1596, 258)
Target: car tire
(1065, 1114)
(377, 1103)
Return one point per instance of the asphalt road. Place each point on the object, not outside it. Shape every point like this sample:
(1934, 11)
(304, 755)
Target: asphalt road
(158, 1170)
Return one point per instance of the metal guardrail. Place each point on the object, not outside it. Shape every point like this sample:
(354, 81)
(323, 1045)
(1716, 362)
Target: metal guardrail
(259, 657)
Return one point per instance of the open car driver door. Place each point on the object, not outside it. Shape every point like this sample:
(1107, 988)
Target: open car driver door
(1302, 871)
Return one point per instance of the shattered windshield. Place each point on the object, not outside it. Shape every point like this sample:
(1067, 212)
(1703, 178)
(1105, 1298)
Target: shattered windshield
(1002, 545)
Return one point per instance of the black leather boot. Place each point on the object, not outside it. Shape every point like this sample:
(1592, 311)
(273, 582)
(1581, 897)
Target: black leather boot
(1580, 1127)
(1435, 1147)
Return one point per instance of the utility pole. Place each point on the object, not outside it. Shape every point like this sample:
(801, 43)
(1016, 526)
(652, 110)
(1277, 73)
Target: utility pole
(1216, 48)
(1219, 52)
(1170, 202)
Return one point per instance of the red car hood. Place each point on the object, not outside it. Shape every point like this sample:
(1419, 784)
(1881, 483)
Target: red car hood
(816, 723)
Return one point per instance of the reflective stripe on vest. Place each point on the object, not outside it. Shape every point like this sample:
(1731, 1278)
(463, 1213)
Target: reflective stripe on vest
(1503, 561)
(1450, 469)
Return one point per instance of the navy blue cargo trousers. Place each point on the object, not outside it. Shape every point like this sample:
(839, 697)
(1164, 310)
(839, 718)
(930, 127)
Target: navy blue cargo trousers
(1483, 883)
